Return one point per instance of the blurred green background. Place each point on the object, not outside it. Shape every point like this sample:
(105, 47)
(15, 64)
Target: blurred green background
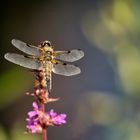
(102, 103)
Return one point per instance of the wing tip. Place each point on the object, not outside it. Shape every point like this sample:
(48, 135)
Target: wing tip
(13, 40)
(6, 55)
(82, 53)
(78, 71)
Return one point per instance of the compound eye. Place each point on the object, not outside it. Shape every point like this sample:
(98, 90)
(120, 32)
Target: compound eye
(48, 43)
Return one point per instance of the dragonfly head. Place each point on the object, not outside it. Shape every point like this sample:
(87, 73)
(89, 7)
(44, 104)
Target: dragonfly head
(47, 46)
(48, 43)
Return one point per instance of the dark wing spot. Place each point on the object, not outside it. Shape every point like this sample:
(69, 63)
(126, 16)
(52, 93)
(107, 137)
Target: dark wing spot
(68, 51)
(64, 64)
(26, 56)
(28, 45)
(79, 49)
(56, 63)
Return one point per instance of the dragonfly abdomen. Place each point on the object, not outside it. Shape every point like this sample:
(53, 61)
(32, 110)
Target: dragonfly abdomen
(49, 76)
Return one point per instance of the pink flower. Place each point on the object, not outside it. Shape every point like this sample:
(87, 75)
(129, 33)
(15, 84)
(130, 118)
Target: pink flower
(38, 120)
(56, 119)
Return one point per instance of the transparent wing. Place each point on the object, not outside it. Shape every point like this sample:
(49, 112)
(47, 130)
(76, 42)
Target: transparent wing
(69, 56)
(65, 69)
(26, 48)
(23, 61)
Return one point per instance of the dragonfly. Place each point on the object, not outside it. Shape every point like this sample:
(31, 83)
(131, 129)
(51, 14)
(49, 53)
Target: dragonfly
(45, 57)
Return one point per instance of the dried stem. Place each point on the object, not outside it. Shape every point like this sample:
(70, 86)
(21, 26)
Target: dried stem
(42, 94)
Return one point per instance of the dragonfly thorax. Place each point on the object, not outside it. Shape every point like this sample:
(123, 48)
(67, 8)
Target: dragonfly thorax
(48, 58)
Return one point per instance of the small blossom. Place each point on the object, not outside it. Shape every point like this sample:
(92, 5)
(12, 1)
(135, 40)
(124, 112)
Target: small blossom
(35, 128)
(56, 119)
(38, 120)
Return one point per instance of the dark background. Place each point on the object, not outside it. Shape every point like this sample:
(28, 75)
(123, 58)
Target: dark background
(102, 103)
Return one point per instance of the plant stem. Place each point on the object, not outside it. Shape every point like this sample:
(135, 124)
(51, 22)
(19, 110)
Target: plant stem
(44, 132)
(42, 94)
